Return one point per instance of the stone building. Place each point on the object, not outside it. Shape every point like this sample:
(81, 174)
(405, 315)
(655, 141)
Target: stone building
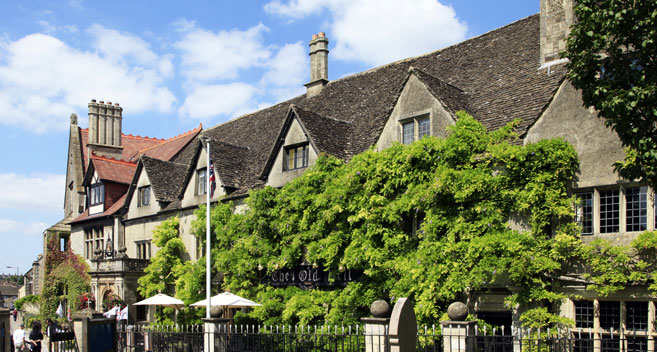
(120, 187)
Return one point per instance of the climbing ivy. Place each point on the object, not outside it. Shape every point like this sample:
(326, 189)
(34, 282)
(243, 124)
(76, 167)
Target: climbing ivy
(462, 190)
(65, 278)
(160, 275)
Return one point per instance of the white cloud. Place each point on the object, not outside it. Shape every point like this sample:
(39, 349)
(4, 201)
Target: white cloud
(207, 55)
(288, 67)
(207, 101)
(52, 29)
(37, 192)
(380, 31)
(119, 47)
(43, 80)
(12, 227)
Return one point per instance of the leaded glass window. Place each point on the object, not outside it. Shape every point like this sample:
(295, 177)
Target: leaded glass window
(609, 211)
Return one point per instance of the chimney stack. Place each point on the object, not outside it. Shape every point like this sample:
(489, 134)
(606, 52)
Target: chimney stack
(105, 124)
(556, 18)
(318, 64)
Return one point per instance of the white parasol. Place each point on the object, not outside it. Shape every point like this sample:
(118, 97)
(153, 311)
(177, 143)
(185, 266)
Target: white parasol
(163, 300)
(228, 300)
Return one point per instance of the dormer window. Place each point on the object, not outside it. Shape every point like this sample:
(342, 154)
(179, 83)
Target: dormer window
(415, 128)
(96, 194)
(201, 182)
(296, 157)
(144, 196)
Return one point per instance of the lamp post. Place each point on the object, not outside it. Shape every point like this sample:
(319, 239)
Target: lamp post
(17, 274)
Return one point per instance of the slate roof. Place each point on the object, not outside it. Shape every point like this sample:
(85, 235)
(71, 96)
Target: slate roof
(166, 177)
(329, 135)
(452, 97)
(8, 290)
(494, 76)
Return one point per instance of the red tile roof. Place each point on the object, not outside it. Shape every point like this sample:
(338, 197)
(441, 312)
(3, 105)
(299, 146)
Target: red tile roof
(109, 169)
(168, 148)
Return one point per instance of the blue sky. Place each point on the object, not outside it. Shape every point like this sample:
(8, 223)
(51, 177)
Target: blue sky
(172, 65)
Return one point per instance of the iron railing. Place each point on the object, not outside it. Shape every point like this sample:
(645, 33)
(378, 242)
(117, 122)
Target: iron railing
(253, 338)
(179, 338)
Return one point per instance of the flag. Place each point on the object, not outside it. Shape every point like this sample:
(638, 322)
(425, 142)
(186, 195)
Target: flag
(60, 310)
(213, 184)
(114, 311)
(123, 315)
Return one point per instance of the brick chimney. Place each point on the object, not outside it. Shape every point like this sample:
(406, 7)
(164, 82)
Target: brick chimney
(318, 64)
(556, 18)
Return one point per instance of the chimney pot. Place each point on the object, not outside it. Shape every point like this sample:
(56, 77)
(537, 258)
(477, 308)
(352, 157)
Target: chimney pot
(109, 103)
(314, 36)
(321, 34)
(93, 100)
(102, 102)
(117, 104)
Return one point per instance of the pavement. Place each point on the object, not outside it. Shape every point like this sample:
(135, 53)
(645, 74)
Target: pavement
(13, 325)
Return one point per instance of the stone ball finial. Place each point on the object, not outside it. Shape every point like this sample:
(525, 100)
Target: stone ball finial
(380, 309)
(74, 119)
(457, 311)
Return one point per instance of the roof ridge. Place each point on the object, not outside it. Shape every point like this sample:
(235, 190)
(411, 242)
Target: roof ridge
(412, 58)
(294, 106)
(174, 138)
(111, 160)
(226, 143)
(422, 72)
(162, 161)
(254, 112)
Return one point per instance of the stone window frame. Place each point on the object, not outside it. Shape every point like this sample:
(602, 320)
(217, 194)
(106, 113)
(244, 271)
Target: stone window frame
(594, 336)
(93, 239)
(143, 249)
(649, 216)
(416, 122)
(291, 163)
(201, 182)
(144, 196)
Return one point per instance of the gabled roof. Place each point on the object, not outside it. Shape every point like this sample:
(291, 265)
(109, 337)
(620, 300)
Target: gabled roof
(451, 97)
(166, 177)
(325, 132)
(109, 169)
(317, 128)
(494, 76)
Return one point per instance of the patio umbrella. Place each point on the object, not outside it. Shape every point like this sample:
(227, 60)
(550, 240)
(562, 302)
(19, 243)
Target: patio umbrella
(163, 300)
(228, 300)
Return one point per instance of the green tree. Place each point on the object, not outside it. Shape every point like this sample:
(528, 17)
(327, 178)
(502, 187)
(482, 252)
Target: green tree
(612, 50)
(461, 190)
(160, 275)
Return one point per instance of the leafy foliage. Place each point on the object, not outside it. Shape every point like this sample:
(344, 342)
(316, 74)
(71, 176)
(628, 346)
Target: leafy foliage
(612, 50)
(462, 190)
(27, 299)
(65, 278)
(159, 276)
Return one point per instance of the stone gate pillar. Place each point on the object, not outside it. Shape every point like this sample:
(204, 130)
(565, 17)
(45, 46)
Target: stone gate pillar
(403, 327)
(458, 334)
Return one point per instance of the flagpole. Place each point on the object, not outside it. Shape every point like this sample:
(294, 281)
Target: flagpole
(207, 232)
